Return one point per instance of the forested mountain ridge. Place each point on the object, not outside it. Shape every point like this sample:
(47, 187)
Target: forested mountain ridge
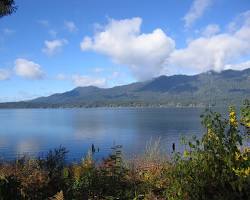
(210, 88)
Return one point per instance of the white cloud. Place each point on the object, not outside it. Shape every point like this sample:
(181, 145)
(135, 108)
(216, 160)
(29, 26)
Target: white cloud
(70, 26)
(214, 52)
(211, 30)
(242, 19)
(4, 74)
(122, 40)
(238, 66)
(28, 69)
(150, 54)
(196, 10)
(53, 46)
(80, 80)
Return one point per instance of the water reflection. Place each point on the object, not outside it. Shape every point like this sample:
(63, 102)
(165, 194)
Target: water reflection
(38, 130)
(30, 146)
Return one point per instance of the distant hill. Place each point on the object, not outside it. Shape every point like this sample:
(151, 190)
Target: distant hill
(210, 88)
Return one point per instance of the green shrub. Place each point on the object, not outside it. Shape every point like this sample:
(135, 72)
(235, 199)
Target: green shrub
(215, 167)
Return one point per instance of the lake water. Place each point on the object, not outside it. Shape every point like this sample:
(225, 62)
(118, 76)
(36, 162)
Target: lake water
(35, 131)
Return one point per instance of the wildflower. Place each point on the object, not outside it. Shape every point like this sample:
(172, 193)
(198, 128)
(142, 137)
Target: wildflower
(232, 117)
(237, 156)
(244, 172)
(246, 150)
(211, 135)
(185, 154)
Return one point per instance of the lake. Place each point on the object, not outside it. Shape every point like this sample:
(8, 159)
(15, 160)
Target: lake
(35, 131)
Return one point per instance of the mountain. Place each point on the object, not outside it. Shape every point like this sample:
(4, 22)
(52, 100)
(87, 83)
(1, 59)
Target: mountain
(210, 88)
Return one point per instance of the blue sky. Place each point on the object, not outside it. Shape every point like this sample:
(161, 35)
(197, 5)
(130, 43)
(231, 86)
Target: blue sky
(53, 46)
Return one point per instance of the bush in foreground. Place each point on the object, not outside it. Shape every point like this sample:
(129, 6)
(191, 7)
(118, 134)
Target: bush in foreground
(218, 165)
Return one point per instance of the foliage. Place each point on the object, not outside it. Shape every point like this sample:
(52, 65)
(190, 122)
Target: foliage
(23, 179)
(245, 117)
(58, 196)
(7, 7)
(217, 166)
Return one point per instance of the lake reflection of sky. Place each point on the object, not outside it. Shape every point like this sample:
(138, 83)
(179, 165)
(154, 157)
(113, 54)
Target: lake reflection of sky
(34, 131)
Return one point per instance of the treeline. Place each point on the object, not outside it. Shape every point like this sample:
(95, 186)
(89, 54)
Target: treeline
(117, 104)
(214, 167)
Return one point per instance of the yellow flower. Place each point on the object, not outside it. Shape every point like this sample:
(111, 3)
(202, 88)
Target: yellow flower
(232, 117)
(246, 150)
(211, 135)
(247, 171)
(237, 156)
(185, 154)
(242, 155)
(242, 172)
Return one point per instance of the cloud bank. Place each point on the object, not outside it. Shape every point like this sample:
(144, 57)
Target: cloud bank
(216, 51)
(123, 41)
(150, 54)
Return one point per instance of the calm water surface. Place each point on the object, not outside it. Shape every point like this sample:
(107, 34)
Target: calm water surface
(35, 131)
